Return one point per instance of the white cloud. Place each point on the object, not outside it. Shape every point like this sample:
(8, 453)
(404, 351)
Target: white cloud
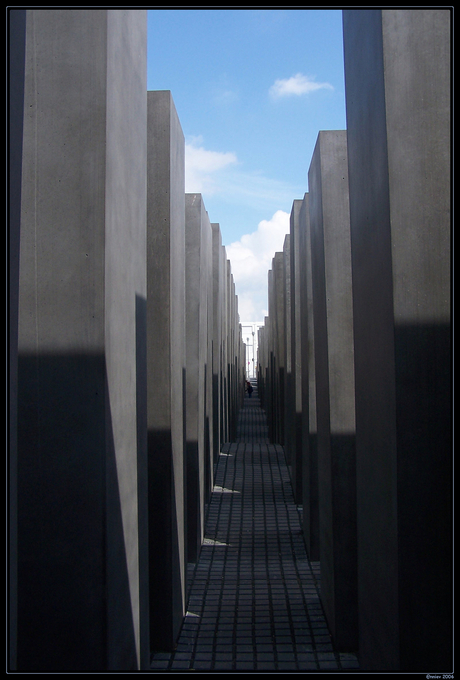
(296, 86)
(251, 258)
(202, 167)
(214, 172)
(256, 190)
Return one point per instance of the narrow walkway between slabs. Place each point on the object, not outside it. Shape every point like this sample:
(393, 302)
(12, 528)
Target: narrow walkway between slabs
(254, 596)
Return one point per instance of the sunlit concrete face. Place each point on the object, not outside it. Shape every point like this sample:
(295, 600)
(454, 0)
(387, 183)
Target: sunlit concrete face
(198, 334)
(166, 368)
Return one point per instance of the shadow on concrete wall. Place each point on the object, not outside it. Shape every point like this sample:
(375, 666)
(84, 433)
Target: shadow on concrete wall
(425, 477)
(166, 600)
(74, 604)
(193, 501)
(404, 492)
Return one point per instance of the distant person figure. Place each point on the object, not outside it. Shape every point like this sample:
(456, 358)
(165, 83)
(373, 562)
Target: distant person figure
(249, 388)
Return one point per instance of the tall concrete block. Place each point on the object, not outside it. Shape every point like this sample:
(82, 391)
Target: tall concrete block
(230, 352)
(16, 74)
(279, 346)
(233, 355)
(269, 396)
(335, 399)
(308, 387)
(82, 571)
(397, 73)
(273, 423)
(197, 228)
(289, 438)
(262, 365)
(224, 383)
(217, 339)
(265, 367)
(210, 450)
(225, 430)
(166, 362)
(296, 356)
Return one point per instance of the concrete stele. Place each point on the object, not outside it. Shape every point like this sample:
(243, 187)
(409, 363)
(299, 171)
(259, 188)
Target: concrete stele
(166, 362)
(82, 575)
(397, 76)
(335, 399)
(197, 224)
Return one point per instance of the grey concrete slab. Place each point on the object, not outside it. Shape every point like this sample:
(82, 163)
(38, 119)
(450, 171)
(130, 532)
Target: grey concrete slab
(16, 73)
(269, 397)
(81, 564)
(296, 355)
(230, 352)
(335, 399)
(397, 73)
(279, 346)
(166, 362)
(210, 448)
(196, 298)
(308, 387)
(217, 339)
(224, 386)
(289, 409)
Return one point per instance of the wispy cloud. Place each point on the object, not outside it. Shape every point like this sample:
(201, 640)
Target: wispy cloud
(202, 166)
(251, 258)
(221, 173)
(296, 86)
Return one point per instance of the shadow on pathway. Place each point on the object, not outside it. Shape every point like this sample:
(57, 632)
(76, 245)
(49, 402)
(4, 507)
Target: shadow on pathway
(254, 596)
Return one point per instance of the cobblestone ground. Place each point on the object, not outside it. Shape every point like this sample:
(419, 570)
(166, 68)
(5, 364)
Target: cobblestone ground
(254, 595)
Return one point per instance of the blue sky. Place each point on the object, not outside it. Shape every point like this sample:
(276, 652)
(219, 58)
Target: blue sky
(252, 88)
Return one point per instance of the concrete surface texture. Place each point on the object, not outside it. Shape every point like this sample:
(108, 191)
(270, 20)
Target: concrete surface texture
(81, 296)
(309, 424)
(286, 321)
(16, 74)
(166, 364)
(217, 294)
(397, 73)
(198, 233)
(296, 355)
(334, 379)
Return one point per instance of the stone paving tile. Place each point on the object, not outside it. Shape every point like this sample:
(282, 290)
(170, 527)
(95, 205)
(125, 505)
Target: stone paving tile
(254, 596)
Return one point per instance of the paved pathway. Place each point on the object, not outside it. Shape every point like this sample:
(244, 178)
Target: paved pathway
(254, 596)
